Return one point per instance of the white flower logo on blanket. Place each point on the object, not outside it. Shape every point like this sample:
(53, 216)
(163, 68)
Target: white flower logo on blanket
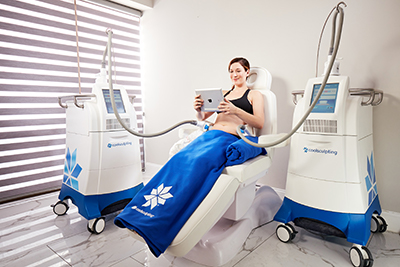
(158, 196)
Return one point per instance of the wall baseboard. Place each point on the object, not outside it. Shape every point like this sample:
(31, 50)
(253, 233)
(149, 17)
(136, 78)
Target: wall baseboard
(392, 219)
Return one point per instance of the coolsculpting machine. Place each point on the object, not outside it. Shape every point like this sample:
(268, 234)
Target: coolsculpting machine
(102, 170)
(331, 182)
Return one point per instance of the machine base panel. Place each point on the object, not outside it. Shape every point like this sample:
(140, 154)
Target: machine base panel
(355, 226)
(94, 206)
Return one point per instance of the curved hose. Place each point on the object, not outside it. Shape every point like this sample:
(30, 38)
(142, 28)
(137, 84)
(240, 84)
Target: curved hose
(324, 81)
(333, 34)
(193, 122)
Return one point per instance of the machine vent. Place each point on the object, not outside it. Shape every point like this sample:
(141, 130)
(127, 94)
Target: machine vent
(113, 124)
(320, 126)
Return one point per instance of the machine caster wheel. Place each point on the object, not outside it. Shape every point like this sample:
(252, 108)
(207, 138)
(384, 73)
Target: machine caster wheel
(60, 208)
(285, 232)
(360, 256)
(378, 224)
(382, 224)
(96, 226)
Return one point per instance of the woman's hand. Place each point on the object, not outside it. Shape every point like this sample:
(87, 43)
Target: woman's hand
(227, 107)
(198, 103)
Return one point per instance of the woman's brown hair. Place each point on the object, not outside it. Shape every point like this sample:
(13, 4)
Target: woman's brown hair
(242, 61)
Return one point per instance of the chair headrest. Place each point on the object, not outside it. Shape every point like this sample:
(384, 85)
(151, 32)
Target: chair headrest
(259, 79)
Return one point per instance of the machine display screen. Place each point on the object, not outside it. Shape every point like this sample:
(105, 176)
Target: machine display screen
(327, 102)
(118, 101)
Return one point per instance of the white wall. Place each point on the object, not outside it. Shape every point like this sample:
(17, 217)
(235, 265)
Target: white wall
(187, 44)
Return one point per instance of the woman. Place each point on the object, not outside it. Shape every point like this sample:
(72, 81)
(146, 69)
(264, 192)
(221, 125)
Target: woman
(162, 207)
(241, 105)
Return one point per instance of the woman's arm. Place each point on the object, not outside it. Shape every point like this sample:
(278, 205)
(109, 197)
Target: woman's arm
(257, 119)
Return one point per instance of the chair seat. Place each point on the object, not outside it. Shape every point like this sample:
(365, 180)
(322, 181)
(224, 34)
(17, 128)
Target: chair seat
(216, 203)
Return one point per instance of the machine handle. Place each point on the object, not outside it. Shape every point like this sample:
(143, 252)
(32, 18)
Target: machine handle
(131, 98)
(75, 97)
(295, 94)
(370, 93)
(60, 101)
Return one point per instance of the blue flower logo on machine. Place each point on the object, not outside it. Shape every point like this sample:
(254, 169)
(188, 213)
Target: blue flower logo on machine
(370, 180)
(157, 196)
(71, 170)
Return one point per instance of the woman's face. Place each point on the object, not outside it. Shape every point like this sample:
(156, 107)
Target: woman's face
(238, 74)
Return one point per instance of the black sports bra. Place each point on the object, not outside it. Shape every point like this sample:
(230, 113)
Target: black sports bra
(242, 102)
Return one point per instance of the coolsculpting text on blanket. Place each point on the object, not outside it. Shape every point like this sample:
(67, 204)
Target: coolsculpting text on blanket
(161, 208)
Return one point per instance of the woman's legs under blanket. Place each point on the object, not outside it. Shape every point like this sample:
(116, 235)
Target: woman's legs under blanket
(161, 208)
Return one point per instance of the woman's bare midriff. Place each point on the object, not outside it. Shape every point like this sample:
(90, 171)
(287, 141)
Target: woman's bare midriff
(227, 123)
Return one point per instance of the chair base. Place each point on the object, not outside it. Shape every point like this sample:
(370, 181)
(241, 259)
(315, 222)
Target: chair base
(225, 240)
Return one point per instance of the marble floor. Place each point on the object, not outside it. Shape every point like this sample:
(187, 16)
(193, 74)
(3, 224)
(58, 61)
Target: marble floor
(32, 235)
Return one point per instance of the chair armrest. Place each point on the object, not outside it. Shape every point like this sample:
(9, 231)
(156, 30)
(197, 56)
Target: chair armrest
(249, 169)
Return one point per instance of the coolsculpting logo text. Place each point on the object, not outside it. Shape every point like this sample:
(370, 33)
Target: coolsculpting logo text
(320, 151)
(109, 145)
(143, 212)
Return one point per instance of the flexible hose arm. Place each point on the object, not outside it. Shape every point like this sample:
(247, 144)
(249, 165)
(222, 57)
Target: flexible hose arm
(281, 138)
(332, 45)
(110, 85)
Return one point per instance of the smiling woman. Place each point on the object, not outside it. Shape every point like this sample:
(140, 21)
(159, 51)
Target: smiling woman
(240, 106)
(175, 192)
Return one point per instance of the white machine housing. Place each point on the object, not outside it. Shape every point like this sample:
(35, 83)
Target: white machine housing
(331, 173)
(106, 154)
(328, 157)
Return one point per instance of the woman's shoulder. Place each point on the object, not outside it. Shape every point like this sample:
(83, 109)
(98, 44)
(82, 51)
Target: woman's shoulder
(255, 93)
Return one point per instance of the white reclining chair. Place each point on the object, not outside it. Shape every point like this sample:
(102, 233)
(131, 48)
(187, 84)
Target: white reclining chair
(230, 200)
(218, 228)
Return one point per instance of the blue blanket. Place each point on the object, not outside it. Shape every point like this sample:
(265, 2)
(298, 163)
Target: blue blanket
(239, 151)
(161, 208)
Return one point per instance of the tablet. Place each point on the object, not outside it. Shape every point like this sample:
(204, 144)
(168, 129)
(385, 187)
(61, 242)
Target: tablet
(212, 97)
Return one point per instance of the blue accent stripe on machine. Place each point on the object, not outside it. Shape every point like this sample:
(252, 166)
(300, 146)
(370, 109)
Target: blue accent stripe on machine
(90, 206)
(356, 227)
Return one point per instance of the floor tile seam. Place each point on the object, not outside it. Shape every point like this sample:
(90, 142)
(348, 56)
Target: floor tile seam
(122, 260)
(136, 260)
(138, 252)
(20, 202)
(256, 247)
(55, 252)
